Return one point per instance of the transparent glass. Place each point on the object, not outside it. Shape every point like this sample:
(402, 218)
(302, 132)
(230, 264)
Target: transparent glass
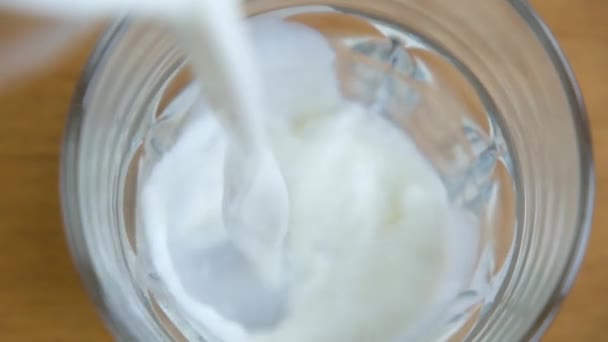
(481, 87)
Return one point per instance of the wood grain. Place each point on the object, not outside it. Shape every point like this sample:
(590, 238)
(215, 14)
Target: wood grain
(41, 298)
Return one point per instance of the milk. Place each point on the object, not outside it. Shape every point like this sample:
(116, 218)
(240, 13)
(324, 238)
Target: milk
(255, 205)
(372, 251)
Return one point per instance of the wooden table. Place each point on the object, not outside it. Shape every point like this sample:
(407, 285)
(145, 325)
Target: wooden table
(41, 298)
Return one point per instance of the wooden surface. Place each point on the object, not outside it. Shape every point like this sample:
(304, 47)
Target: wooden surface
(41, 298)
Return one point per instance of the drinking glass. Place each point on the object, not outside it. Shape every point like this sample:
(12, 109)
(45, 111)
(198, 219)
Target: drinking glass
(480, 86)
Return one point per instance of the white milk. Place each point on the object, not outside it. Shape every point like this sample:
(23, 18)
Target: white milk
(371, 249)
(255, 205)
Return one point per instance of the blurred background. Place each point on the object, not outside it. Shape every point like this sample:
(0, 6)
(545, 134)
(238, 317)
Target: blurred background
(41, 298)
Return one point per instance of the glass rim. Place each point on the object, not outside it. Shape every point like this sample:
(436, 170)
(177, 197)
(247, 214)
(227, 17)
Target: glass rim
(77, 240)
(585, 148)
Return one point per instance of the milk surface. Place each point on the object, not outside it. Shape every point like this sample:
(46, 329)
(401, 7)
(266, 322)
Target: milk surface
(370, 251)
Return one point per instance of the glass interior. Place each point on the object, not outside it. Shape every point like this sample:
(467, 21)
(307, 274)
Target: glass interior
(479, 87)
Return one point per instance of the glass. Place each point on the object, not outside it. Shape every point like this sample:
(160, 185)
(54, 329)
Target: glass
(483, 90)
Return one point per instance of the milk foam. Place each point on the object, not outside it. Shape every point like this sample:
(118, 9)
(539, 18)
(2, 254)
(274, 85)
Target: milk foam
(371, 246)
